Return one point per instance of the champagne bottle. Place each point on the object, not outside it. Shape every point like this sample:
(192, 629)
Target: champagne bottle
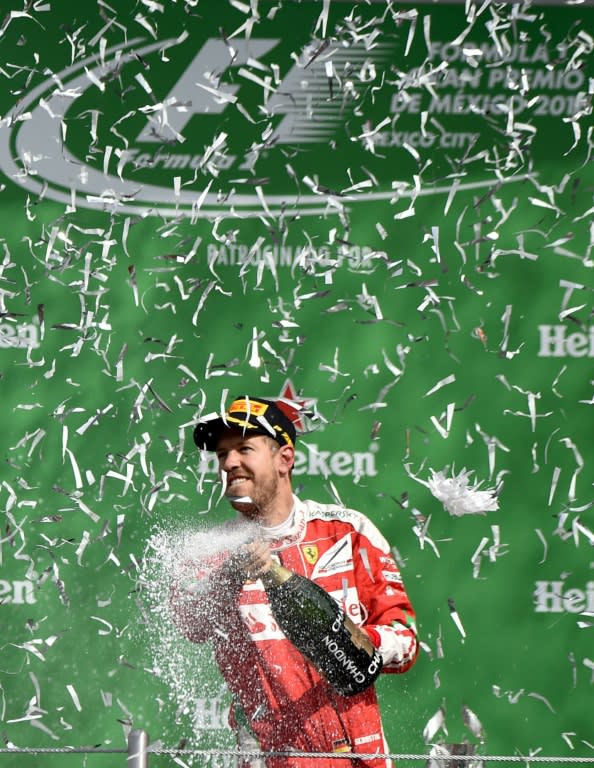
(316, 625)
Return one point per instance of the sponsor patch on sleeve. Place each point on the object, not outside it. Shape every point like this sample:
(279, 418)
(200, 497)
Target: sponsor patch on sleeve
(395, 578)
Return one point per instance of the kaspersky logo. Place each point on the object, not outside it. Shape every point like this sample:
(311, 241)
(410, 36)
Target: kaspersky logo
(221, 111)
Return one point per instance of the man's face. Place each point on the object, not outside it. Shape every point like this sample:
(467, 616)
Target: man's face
(250, 466)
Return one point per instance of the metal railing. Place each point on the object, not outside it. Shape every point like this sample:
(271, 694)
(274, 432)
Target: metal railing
(139, 749)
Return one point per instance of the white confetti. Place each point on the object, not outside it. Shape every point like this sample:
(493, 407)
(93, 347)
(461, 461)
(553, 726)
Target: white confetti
(434, 724)
(74, 697)
(442, 383)
(459, 497)
(456, 617)
(472, 722)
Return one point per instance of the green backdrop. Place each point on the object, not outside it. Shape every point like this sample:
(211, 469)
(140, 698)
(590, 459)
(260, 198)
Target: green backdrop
(383, 210)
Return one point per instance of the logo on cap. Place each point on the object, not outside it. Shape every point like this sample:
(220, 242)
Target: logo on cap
(258, 416)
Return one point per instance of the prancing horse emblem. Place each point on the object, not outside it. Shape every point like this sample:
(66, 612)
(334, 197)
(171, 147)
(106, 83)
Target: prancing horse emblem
(311, 553)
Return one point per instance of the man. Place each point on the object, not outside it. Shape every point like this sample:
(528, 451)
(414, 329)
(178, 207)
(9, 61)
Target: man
(280, 697)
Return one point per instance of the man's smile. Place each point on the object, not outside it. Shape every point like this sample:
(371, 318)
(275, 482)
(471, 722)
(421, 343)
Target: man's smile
(236, 480)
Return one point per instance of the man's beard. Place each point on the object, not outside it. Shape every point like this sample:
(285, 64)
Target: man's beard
(261, 500)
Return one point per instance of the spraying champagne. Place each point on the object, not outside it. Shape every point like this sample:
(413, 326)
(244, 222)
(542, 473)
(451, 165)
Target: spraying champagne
(317, 626)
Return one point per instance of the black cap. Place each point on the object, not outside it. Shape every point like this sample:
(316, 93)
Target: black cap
(254, 415)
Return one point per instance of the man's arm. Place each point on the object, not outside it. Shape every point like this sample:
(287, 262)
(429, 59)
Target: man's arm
(391, 620)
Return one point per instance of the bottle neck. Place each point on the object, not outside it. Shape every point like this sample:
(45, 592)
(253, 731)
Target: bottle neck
(276, 575)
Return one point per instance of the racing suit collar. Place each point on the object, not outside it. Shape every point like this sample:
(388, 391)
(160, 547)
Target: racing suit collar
(291, 531)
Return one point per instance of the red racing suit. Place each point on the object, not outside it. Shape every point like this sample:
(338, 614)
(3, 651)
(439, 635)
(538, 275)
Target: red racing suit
(286, 702)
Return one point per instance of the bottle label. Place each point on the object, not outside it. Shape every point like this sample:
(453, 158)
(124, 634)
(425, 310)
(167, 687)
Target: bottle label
(314, 622)
(350, 669)
(345, 662)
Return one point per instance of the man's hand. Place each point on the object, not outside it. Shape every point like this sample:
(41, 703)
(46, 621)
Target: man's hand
(253, 560)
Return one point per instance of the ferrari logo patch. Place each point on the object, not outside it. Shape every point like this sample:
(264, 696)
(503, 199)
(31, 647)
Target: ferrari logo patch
(311, 554)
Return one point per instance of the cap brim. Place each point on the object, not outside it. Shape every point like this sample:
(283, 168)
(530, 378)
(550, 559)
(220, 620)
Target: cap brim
(208, 433)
